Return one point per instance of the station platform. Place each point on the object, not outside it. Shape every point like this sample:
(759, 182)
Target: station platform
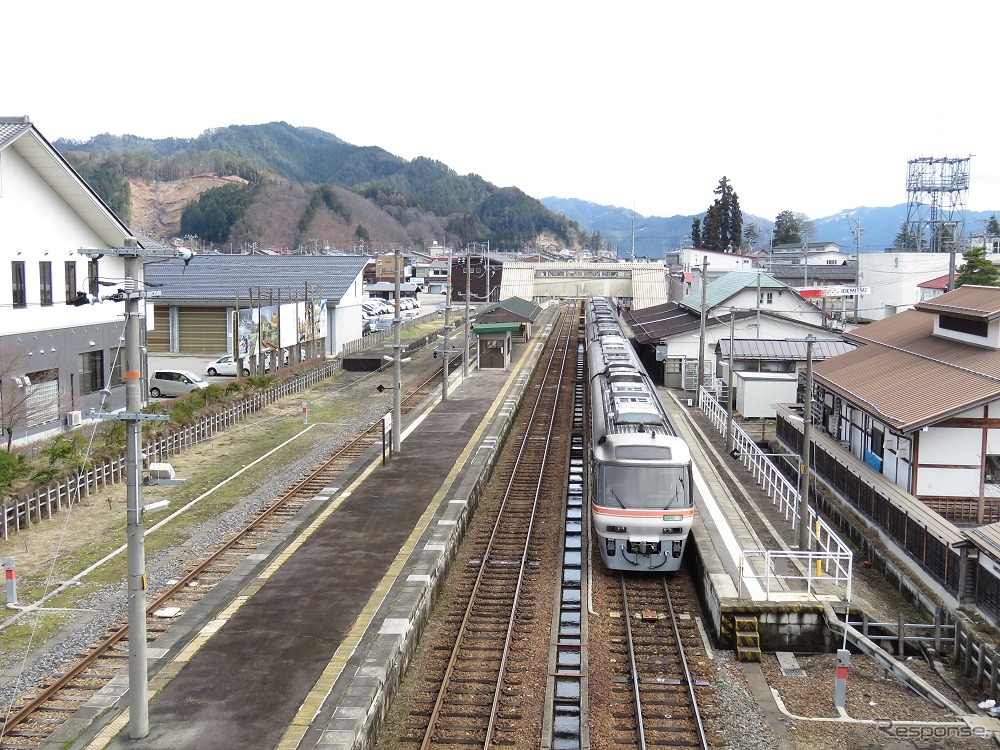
(734, 530)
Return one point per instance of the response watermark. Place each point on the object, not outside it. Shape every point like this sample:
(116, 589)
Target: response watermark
(928, 731)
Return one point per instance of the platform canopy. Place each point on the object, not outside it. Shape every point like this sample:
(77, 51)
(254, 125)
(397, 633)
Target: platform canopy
(497, 328)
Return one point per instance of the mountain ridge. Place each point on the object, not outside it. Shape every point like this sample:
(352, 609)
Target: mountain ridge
(653, 234)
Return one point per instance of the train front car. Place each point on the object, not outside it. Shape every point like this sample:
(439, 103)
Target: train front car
(640, 471)
(641, 502)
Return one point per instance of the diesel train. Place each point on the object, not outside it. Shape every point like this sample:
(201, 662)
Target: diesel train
(640, 475)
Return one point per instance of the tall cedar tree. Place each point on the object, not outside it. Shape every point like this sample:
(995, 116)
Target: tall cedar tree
(977, 269)
(696, 232)
(723, 221)
(787, 229)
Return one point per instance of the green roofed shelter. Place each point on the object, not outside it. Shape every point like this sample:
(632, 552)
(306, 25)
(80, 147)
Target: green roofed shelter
(484, 328)
(494, 343)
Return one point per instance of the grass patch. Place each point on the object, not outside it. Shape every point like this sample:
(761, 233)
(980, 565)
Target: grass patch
(32, 629)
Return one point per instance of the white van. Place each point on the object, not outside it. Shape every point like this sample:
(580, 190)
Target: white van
(174, 383)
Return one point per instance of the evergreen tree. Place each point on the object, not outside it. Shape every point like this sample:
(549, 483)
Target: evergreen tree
(993, 227)
(696, 232)
(977, 269)
(788, 229)
(724, 220)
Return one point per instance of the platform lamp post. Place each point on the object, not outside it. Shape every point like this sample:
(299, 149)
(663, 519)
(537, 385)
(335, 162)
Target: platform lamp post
(130, 293)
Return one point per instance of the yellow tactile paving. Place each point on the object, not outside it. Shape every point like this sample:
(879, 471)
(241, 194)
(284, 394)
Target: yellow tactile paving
(321, 690)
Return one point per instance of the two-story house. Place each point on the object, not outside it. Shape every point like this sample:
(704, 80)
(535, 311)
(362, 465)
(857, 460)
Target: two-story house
(55, 359)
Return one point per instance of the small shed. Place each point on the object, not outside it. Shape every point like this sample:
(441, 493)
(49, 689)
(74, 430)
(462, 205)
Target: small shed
(494, 342)
(757, 392)
(512, 310)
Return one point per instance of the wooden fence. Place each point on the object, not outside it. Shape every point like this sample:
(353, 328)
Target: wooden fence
(20, 512)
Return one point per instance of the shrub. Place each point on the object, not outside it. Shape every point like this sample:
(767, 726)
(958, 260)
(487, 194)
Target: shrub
(12, 468)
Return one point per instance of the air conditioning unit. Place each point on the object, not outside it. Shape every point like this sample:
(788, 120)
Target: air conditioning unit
(74, 418)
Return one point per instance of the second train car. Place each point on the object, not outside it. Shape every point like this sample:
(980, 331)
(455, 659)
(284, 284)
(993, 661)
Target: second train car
(640, 482)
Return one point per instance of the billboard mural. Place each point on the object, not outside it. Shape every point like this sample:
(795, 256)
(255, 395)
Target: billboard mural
(278, 326)
(248, 333)
(269, 322)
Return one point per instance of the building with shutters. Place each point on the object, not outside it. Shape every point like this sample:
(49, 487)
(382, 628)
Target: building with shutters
(197, 303)
(54, 359)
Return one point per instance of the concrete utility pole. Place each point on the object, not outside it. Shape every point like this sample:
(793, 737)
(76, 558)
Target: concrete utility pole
(397, 381)
(468, 281)
(130, 293)
(731, 383)
(447, 333)
(701, 335)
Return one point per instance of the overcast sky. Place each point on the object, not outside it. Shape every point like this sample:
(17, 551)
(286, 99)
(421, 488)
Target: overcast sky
(807, 107)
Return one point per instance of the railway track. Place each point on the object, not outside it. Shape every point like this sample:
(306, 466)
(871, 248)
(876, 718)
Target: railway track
(656, 696)
(474, 689)
(44, 707)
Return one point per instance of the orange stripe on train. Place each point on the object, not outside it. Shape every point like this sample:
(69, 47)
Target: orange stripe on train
(636, 513)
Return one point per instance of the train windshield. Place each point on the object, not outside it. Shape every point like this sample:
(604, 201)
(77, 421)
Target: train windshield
(644, 487)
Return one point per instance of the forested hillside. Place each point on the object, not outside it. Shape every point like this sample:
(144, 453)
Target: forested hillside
(301, 187)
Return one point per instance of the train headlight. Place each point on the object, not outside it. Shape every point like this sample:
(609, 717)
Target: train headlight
(617, 529)
(672, 518)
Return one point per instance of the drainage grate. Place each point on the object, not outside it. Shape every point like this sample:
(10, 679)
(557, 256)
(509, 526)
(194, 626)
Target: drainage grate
(789, 664)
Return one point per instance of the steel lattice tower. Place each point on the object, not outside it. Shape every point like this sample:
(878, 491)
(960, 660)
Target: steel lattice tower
(935, 212)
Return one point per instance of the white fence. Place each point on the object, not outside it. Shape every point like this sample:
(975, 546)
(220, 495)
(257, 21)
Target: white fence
(828, 555)
(21, 512)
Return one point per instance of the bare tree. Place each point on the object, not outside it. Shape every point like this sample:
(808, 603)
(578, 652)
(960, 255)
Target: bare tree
(21, 401)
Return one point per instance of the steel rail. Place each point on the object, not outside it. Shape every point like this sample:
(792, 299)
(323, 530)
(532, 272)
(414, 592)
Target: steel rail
(702, 737)
(633, 668)
(428, 740)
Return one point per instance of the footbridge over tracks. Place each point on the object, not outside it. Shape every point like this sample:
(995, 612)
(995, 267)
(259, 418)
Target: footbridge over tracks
(640, 284)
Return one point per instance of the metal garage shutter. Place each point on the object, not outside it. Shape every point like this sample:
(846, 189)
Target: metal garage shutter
(158, 340)
(202, 330)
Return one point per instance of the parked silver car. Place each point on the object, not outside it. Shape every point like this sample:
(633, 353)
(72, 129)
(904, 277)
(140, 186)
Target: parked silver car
(174, 383)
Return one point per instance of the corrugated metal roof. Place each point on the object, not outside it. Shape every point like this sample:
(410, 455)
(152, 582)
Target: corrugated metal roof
(986, 537)
(663, 321)
(218, 280)
(968, 300)
(782, 350)
(913, 331)
(907, 376)
(726, 287)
